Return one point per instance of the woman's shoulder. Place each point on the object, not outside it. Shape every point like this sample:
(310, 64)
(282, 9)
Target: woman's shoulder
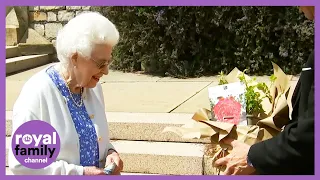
(39, 82)
(35, 89)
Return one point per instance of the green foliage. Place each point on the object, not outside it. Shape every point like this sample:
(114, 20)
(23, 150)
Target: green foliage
(195, 41)
(252, 97)
(222, 79)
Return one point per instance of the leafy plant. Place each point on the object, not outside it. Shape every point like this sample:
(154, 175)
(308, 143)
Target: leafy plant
(253, 98)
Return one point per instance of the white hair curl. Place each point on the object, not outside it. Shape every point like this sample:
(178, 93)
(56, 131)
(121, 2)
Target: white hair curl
(82, 33)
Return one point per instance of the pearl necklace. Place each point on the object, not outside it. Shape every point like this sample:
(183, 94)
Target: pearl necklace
(81, 93)
(81, 100)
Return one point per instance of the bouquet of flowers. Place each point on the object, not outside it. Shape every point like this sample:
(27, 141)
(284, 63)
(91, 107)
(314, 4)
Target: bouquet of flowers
(250, 112)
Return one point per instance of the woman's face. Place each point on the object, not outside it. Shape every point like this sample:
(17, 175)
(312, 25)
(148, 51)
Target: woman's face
(89, 71)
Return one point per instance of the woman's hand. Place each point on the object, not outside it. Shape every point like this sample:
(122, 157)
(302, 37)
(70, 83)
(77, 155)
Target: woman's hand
(92, 171)
(113, 156)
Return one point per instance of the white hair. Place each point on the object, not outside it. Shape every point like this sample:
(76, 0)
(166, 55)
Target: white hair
(82, 33)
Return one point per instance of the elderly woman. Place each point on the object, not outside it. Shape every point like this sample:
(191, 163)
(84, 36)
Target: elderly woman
(68, 96)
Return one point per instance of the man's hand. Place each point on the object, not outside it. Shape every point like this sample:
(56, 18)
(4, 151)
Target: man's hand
(236, 161)
(113, 156)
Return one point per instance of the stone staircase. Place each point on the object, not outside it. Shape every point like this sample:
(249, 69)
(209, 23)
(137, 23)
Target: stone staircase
(25, 48)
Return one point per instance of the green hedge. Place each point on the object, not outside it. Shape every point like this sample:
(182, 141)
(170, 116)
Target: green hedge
(195, 41)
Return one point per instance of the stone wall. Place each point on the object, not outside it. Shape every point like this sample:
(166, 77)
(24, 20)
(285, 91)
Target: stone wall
(48, 20)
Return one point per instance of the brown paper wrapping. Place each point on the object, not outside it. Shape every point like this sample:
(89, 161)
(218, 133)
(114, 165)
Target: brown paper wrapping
(203, 127)
(276, 115)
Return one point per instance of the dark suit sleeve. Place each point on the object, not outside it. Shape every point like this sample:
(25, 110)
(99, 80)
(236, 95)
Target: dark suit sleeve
(292, 150)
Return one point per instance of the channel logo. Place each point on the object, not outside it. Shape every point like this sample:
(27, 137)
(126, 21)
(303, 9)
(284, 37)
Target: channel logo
(35, 144)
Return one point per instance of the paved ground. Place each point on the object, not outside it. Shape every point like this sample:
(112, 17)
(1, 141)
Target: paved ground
(130, 92)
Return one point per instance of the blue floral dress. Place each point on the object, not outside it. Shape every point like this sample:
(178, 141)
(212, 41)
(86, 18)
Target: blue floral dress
(89, 149)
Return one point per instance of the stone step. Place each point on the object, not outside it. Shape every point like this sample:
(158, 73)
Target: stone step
(35, 49)
(21, 63)
(138, 126)
(8, 172)
(12, 51)
(25, 49)
(156, 157)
